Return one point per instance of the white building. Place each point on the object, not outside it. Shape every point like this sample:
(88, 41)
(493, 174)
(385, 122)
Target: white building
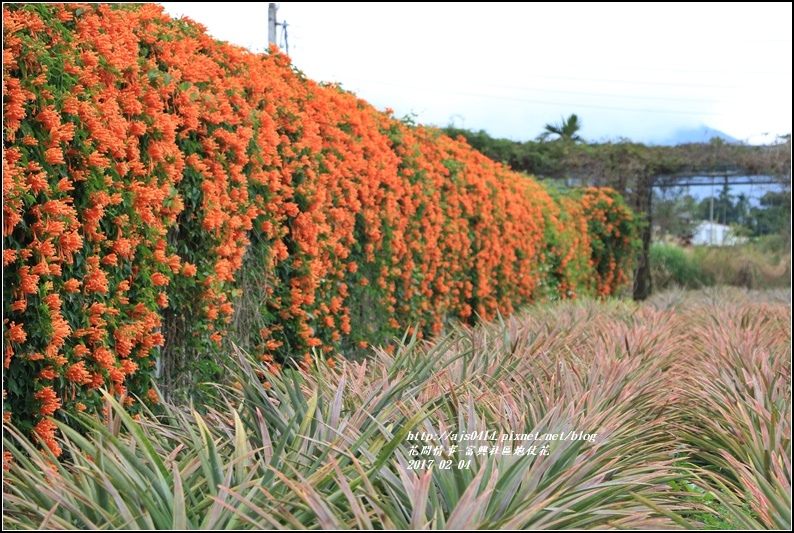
(711, 233)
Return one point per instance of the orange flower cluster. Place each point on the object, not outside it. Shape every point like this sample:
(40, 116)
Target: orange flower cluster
(145, 164)
(614, 238)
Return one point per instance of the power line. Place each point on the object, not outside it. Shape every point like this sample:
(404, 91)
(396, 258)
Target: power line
(545, 102)
(626, 82)
(622, 96)
(702, 71)
(632, 82)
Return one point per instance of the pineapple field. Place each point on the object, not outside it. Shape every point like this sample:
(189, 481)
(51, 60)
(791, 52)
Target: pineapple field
(675, 413)
(237, 298)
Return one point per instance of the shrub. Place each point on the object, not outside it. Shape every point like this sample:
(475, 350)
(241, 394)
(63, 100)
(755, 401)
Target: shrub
(745, 265)
(675, 266)
(152, 174)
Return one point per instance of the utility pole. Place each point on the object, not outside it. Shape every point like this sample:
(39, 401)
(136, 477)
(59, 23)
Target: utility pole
(271, 23)
(644, 204)
(711, 215)
(272, 26)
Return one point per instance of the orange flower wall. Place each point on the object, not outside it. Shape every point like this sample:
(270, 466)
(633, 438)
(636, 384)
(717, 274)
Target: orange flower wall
(144, 164)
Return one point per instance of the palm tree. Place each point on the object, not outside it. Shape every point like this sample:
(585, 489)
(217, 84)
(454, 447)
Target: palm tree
(566, 129)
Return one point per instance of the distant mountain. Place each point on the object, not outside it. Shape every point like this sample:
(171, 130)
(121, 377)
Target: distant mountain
(700, 134)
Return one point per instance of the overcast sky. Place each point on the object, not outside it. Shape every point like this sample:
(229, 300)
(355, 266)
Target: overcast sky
(628, 70)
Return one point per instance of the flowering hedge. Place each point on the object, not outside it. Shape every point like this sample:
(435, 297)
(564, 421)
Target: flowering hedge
(153, 177)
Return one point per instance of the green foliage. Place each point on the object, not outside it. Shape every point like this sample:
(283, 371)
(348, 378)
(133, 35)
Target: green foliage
(674, 213)
(714, 515)
(619, 164)
(751, 265)
(534, 158)
(774, 215)
(745, 265)
(614, 233)
(566, 130)
(776, 245)
(673, 266)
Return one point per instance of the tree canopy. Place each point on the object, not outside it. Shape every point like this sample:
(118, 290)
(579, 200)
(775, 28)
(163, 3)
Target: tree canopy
(566, 130)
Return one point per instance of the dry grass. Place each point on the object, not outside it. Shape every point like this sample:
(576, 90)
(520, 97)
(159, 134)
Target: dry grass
(744, 266)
